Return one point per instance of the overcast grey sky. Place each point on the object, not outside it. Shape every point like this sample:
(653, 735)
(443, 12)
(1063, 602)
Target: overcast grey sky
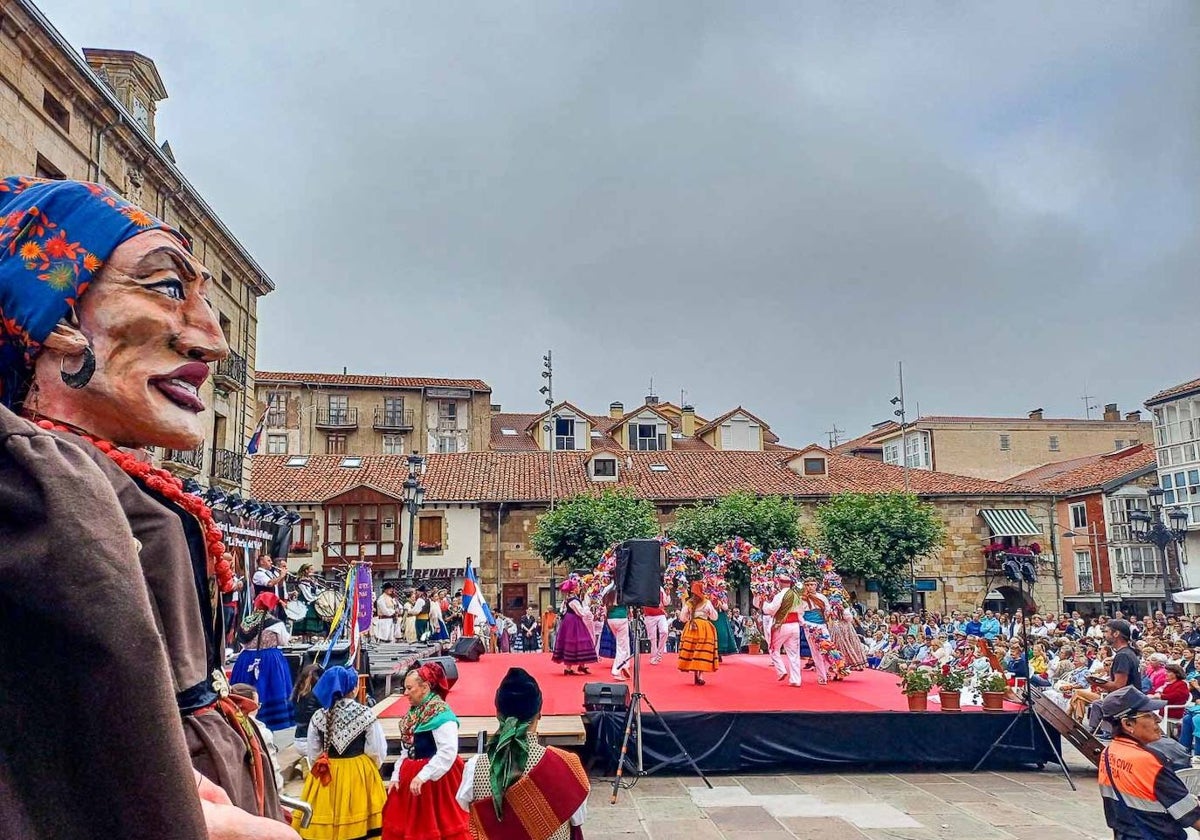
(765, 204)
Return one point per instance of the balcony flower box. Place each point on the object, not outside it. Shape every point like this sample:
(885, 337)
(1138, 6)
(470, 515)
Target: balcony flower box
(424, 546)
(301, 548)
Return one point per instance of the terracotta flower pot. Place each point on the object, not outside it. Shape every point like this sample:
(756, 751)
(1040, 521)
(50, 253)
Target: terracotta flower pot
(951, 701)
(755, 648)
(918, 702)
(993, 701)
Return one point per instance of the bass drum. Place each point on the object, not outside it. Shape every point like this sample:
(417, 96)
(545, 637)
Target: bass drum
(328, 603)
(296, 610)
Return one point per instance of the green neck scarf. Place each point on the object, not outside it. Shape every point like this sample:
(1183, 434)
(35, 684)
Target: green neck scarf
(508, 754)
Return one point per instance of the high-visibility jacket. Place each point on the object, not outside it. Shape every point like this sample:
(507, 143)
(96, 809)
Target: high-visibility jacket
(1152, 800)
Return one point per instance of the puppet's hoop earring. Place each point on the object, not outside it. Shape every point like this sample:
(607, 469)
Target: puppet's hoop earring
(80, 378)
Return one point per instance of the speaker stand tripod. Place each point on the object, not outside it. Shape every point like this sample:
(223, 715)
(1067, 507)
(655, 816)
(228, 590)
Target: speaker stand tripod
(633, 720)
(1028, 711)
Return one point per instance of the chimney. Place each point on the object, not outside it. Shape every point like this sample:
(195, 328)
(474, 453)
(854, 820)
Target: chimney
(1111, 414)
(651, 399)
(616, 410)
(495, 408)
(688, 421)
(345, 371)
(1134, 416)
(1036, 414)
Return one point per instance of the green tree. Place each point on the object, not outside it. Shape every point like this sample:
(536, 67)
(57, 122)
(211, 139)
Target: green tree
(878, 536)
(767, 523)
(579, 530)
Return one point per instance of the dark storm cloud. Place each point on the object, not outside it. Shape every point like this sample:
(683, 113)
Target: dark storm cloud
(762, 204)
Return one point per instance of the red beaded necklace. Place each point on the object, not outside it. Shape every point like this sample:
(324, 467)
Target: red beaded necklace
(169, 487)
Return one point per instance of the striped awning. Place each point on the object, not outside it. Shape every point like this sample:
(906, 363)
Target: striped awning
(1010, 522)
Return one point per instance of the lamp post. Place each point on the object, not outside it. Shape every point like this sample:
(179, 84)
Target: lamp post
(414, 497)
(548, 428)
(900, 412)
(1153, 528)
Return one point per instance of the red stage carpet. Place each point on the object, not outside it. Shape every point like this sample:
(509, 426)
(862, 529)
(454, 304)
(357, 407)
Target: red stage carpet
(744, 683)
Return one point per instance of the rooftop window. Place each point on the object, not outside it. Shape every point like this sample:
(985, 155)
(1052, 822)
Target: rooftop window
(352, 462)
(659, 468)
(508, 432)
(298, 461)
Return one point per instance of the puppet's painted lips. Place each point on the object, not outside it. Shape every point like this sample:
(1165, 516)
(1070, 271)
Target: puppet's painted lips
(182, 386)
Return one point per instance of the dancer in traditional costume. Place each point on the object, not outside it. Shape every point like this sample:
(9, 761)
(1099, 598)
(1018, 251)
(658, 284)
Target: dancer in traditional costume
(420, 611)
(784, 611)
(573, 644)
(657, 629)
(420, 803)
(346, 746)
(815, 606)
(438, 632)
(726, 644)
(518, 789)
(386, 607)
(841, 630)
(262, 665)
(105, 341)
(617, 616)
(698, 644)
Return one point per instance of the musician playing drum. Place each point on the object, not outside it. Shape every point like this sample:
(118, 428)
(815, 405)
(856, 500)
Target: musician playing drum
(308, 589)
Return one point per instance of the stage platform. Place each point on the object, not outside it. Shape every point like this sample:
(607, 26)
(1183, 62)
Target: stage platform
(744, 720)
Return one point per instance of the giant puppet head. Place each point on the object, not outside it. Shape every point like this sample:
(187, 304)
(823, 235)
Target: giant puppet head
(105, 322)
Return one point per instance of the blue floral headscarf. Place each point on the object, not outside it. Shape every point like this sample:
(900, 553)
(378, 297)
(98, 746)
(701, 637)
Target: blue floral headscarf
(55, 236)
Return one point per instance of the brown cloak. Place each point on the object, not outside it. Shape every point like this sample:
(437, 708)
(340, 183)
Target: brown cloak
(90, 740)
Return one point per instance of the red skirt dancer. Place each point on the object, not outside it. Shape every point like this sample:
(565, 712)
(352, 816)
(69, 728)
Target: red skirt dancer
(432, 815)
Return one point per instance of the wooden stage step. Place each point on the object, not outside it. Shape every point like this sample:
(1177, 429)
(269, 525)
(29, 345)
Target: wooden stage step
(1068, 727)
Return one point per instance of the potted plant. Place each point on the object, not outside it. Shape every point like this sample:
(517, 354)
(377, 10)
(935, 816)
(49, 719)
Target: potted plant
(950, 684)
(916, 683)
(993, 687)
(754, 639)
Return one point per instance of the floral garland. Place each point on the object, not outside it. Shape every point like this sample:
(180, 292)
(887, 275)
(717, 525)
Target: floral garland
(795, 563)
(171, 488)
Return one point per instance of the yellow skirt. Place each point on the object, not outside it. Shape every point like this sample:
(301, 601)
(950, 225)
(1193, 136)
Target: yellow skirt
(698, 646)
(350, 807)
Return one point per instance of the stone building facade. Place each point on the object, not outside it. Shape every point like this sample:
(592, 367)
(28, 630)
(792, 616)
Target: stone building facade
(350, 414)
(997, 448)
(92, 118)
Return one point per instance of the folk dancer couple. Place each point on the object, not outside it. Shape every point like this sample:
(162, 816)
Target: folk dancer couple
(654, 620)
(790, 612)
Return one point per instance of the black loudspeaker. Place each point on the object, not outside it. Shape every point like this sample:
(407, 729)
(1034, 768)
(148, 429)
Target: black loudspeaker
(639, 573)
(602, 696)
(448, 665)
(468, 649)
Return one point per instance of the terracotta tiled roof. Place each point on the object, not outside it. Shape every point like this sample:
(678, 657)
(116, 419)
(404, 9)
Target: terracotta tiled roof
(361, 381)
(866, 441)
(1091, 472)
(523, 476)
(1177, 391)
(519, 423)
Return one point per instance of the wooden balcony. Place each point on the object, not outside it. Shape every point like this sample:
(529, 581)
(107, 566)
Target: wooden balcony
(393, 421)
(346, 418)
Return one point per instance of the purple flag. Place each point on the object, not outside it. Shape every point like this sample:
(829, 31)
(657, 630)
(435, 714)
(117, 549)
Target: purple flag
(366, 598)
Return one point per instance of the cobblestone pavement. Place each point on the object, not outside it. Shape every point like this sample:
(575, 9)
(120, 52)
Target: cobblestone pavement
(850, 806)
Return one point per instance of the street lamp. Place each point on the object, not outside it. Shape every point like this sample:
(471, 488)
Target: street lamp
(900, 412)
(1153, 528)
(414, 497)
